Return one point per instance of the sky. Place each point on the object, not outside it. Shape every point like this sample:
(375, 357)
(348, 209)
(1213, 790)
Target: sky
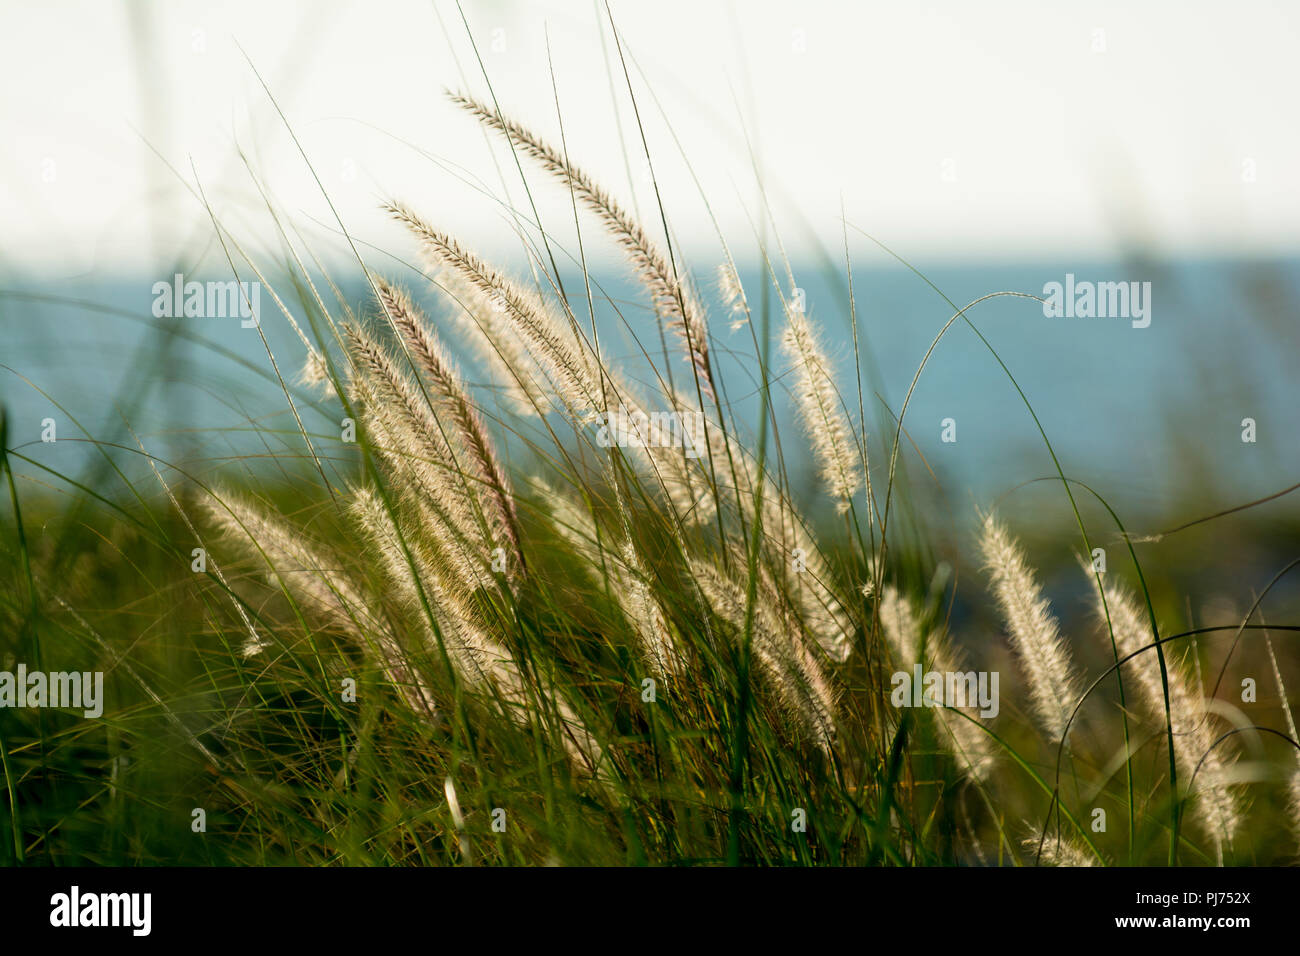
(946, 130)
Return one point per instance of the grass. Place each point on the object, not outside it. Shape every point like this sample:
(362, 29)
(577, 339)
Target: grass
(397, 647)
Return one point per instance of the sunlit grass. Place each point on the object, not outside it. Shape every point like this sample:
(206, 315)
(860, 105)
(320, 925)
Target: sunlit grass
(382, 644)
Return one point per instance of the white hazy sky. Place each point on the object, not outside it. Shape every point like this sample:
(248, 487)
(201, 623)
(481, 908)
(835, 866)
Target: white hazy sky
(948, 130)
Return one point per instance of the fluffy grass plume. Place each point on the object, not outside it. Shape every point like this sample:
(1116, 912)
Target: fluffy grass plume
(1033, 631)
(970, 747)
(821, 410)
(673, 297)
(1215, 805)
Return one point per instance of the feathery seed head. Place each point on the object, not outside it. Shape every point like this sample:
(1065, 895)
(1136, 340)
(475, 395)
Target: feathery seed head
(818, 403)
(733, 295)
(1217, 807)
(315, 373)
(1033, 632)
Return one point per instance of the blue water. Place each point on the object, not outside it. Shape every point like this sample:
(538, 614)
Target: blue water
(1145, 415)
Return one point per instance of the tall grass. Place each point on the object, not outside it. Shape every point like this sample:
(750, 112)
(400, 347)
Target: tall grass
(417, 650)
